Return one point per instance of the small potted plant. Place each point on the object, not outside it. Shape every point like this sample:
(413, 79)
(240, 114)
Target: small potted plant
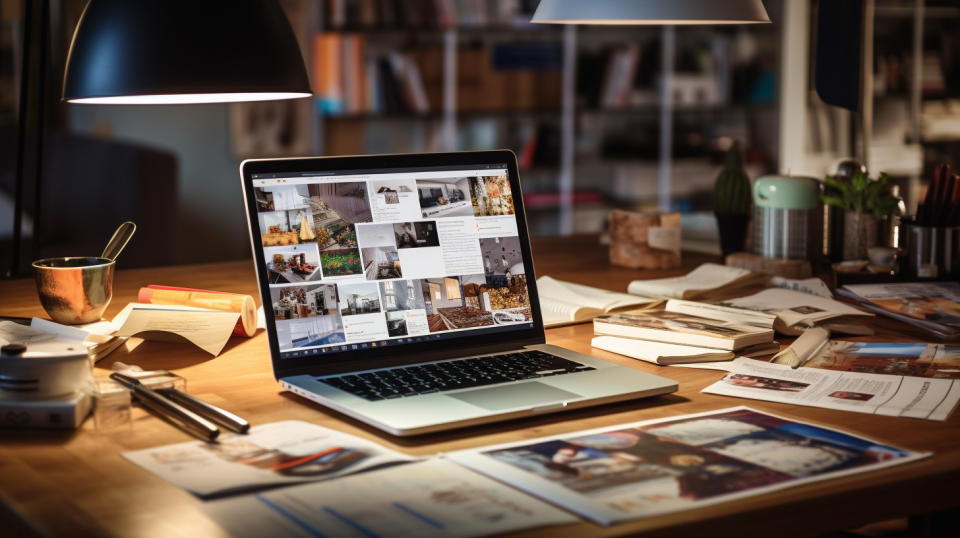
(864, 201)
(732, 202)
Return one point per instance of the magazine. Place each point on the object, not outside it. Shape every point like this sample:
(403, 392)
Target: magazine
(879, 394)
(721, 312)
(793, 310)
(666, 465)
(428, 498)
(676, 328)
(563, 303)
(916, 359)
(270, 455)
(706, 279)
(931, 306)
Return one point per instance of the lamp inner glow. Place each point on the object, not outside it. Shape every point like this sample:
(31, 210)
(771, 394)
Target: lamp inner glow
(188, 98)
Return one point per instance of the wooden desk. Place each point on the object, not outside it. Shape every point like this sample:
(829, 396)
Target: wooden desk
(76, 483)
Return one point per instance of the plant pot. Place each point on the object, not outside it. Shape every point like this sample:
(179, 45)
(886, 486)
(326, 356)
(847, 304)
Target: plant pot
(859, 234)
(733, 231)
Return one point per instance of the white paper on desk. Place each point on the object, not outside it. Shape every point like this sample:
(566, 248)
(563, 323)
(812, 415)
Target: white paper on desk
(425, 499)
(207, 329)
(892, 395)
(270, 455)
(667, 465)
(36, 339)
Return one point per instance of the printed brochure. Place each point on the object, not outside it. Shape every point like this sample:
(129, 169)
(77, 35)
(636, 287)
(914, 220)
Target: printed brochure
(270, 455)
(667, 465)
(879, 394)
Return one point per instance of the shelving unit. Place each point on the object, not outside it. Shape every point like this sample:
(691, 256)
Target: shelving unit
(579, 158)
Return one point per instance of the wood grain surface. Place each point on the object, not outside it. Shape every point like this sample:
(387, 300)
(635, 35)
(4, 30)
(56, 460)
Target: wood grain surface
(76, 482)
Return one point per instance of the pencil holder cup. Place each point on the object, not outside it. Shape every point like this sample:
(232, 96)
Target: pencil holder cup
(931, 251)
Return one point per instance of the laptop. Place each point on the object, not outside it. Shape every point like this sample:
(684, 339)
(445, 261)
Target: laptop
(399, 290)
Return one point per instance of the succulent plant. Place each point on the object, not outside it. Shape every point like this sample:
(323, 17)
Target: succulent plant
(732, 194)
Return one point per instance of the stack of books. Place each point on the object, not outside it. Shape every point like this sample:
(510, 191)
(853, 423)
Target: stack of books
(665, 337)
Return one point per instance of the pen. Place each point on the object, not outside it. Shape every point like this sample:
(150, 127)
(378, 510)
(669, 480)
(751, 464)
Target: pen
(171, 411)
(220, 416)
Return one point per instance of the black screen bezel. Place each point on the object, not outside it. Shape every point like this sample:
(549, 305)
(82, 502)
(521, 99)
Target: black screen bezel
(332, 363)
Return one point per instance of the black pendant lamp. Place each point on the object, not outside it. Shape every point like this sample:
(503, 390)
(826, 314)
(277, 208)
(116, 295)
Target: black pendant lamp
(183, 51)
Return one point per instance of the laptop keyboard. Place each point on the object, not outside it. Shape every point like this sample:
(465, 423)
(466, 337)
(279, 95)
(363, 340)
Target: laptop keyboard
(452, 375)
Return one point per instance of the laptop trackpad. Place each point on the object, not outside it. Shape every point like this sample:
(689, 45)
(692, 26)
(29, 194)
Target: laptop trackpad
(520, 395)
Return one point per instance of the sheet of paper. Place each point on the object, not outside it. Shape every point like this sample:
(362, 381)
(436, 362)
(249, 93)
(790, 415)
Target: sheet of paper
(706, 277)
(425, 499)
(36, 339)
(803, 348)
(899, 396)
(269, 455)
(207, 329)
(667, 465)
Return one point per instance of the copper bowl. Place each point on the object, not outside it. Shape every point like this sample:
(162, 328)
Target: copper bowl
(76, 289)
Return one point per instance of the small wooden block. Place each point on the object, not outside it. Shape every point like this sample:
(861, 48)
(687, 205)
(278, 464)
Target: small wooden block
(644, 240)
(771, 266)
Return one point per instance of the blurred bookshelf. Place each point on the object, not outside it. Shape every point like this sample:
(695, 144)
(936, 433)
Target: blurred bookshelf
(581, 107)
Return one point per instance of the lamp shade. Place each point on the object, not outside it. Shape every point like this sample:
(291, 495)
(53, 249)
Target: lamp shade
(183, 51)
(638, 12)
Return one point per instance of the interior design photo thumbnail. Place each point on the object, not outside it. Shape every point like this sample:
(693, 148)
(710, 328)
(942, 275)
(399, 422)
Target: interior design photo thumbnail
(445, 197)
(400, 295)
(284, 215)
(361, 298)
(311, 331)
(292, 264)
(294, 302)
(506, 278)
(456, 302)
(381, 263)
(416, 234)
(491, 196)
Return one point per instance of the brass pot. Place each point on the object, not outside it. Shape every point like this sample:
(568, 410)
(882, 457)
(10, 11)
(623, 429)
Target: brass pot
(74, 290)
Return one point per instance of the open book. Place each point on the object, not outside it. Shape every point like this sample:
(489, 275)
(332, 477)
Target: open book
(563, 303)
(706, 279)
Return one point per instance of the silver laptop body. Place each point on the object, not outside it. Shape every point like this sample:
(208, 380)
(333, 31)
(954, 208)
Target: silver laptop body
(384, 277)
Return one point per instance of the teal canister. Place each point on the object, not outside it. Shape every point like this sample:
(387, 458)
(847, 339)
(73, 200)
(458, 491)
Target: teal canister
(787, 222)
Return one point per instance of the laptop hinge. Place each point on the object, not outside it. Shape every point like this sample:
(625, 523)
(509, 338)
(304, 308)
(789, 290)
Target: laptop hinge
(408, 358)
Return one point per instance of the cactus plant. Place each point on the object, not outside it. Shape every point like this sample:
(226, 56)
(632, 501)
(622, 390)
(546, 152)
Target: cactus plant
(732, 201)
(732, 194)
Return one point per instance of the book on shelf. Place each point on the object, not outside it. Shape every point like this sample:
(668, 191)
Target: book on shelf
(671, 327)
(564, 303)
(708, 279)
(931, 306)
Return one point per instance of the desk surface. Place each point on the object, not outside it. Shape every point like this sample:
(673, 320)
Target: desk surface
(76, 483)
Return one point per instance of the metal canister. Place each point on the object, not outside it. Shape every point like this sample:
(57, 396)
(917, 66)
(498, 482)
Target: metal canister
(787, 220)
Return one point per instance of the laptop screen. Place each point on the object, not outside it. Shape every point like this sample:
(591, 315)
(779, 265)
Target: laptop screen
(359, 259)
